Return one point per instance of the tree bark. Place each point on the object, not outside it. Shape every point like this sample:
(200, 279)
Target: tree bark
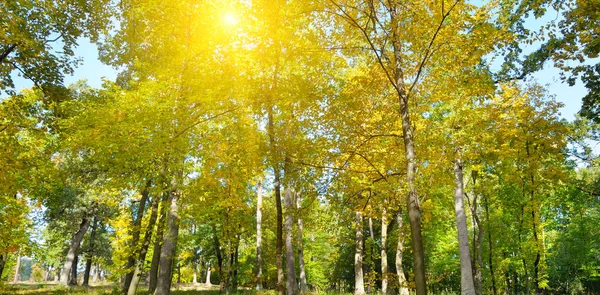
(90, 256)
(491, 252)
(359, 285)
(144, 248)
(217, 245)
(466, 271)
(477, 259)
(163, 284)
(71, 255)
(259, 258)
(73, 280)
(135, 236)
(3, 259)
(402, 285)
(303, 283)
(277, 184)
(153, 273)
(292, 286)
(371, 261)
(384, 262)
(17, 269)
(412, 199)
(236, 257)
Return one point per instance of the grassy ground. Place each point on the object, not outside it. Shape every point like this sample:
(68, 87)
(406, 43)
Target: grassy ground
(104, 288)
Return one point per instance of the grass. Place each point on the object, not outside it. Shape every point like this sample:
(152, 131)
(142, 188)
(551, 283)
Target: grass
(26, 288)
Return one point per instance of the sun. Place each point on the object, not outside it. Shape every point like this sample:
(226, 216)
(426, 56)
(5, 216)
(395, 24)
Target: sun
(230, 19)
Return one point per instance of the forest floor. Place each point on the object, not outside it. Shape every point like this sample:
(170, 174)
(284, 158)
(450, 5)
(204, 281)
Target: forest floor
(32, 288)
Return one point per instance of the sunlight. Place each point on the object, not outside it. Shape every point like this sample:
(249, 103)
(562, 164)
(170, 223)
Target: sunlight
(230, 19)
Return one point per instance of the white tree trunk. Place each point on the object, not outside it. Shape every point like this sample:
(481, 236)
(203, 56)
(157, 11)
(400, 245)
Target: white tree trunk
(403, 288)
(259, 258)
(303, 283)
(466, 275)
(384, 262)
(359, 285)
(16, 278)
(207, 276)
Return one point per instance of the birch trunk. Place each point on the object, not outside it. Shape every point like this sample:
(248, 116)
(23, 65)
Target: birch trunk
(303, 283)
(163, 284)
(73, 248)
(466, 274)
(359, 285)
(292, 287)
(402, 285)
(384, 262)
(259, 258)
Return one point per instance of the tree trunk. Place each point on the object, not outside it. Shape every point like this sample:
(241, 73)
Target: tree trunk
(371, 262)
(536, 262)
(217, 245)
(292, 287)
(195, 268)
(16, 278)
(412, 199)
(466, 272)
(139, 264)
(491, 252)
(402, 285)
(153, 273)
(477, 259)
(57, 275)
(71, 255)
(163, 284)
(359, 285)
(88, 262)
(303, 283)
(277, 184)
(207, 282)
(135, 236)
(384, 262)
(229, 269)
(236, 257)
(73, 281)
(3, 259)
(259, 259)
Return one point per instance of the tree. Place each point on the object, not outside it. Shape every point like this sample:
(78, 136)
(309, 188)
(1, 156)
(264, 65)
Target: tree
(32, 33)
